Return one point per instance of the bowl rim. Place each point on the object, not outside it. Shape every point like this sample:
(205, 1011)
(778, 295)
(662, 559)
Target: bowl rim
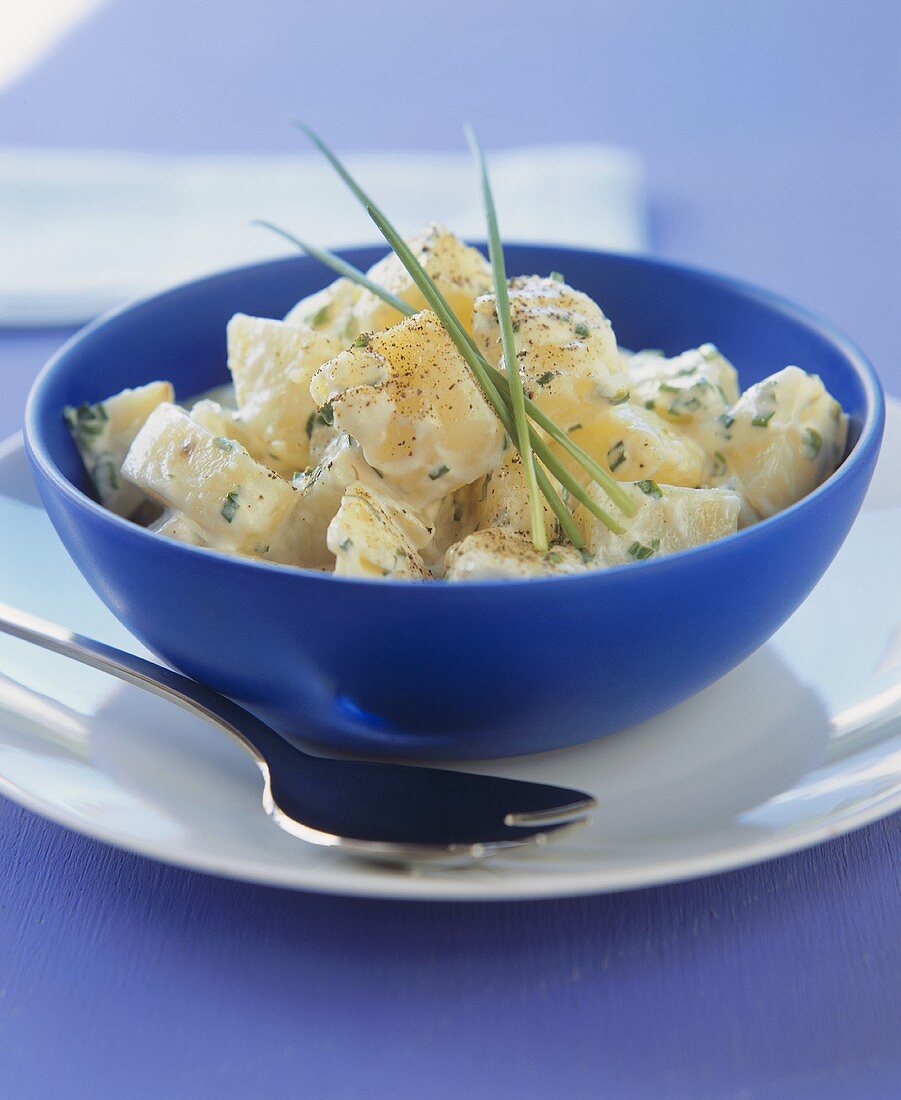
(868, 440)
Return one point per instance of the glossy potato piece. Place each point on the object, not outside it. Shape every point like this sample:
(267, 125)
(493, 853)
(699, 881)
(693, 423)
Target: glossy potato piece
(667, 518)
(692, 391)
(408, 397)
(227, 424)
(504, 499)
(236, 503)
(460, 272)
(367, 540)
(786, 435)
(177, 526)
(321, 490)
(498, 553)
(568, 359)
(635, 443)
(272, 363)
(329, 311)
(104, 431)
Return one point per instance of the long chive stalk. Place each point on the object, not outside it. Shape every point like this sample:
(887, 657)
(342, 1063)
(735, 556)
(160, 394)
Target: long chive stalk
(514, 386)
(342, 267)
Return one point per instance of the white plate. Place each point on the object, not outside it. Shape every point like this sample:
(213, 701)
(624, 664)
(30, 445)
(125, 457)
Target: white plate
(799, 744)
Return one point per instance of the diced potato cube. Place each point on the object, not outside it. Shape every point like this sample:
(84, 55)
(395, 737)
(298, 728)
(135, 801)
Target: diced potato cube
(635, 443)
(460, 272)
(227, 424)
(103, 433)
(786, 435)
(504, 499)
(498, 552)
(367, 540)
(668, 518)
(321, 490)
(568, 359)
(177, 526)
(272, 364)
(236, 503)
(693, 391)
(409, 398)
(329, 311)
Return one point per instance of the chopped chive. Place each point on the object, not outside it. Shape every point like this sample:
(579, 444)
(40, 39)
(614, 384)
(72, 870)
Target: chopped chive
(582, 329)
(616, 455)
(362, 341)
(326, 414)
(224, 444)
(619, 398)
(319, 318)
(649, 404)
(639, 551)
(547, 377)
(440, 471)
(811, 443)
(651, 488)
(345, 544)
(719, 464)
(762, 419)
(556, 276)
(573, 428)
(229, 506)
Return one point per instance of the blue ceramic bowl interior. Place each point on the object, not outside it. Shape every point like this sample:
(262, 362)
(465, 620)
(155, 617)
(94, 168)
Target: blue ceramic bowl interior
(440, 670)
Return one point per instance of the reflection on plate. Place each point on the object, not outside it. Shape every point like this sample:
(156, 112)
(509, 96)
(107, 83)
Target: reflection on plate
(800, 743)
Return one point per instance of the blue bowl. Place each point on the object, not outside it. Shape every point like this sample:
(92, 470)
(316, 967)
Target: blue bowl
(454, 670)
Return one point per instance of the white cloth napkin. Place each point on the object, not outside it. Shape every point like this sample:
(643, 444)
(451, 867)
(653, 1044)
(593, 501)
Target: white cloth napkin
(84, 231)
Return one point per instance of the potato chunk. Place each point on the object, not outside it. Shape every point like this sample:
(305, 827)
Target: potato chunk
(177, 526)
(272, 364)
(227, 424)
(236, 503)
(329, 311)
(460, 272)
(103, 432)
(568, 358)
(367, 540)
(786, 435)
(497, 553)
(408, 397)
(504, 499)
(668, 518)
(692, 391)
(635, 443)
(321, 490)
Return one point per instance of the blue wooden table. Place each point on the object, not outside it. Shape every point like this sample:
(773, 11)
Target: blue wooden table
(770, 133)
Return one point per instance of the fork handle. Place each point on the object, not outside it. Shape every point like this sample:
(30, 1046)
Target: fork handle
(262, 742)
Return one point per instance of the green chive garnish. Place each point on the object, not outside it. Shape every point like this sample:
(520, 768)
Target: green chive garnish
(762, 419)
(811, 443)
(230, 506)
(651, 488)
(502, 300)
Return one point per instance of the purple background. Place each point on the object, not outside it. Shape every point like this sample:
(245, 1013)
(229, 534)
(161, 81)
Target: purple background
(771, 136)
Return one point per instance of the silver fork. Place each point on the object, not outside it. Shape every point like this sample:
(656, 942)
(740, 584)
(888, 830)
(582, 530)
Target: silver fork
(389, 813)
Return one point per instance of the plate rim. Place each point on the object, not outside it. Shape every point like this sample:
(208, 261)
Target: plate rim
(358, 880)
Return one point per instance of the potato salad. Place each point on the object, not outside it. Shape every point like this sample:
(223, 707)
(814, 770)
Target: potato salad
(354, 438)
